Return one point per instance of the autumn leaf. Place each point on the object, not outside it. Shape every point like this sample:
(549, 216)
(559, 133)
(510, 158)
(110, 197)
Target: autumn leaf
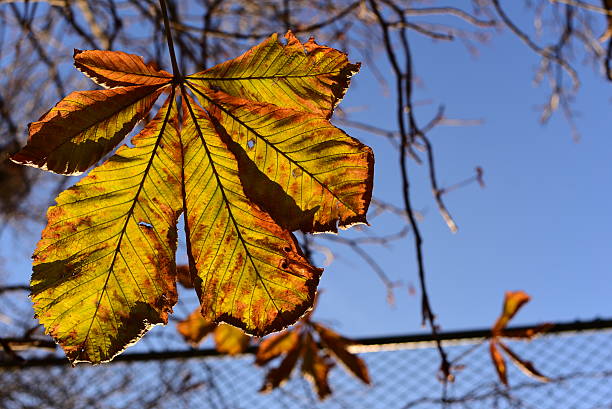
(316, 366)
(317, 347)
(253, 158)
(338, 346)
(195, 328)
(513, 301)
(275, 345)
(228, 339)
(499, 363)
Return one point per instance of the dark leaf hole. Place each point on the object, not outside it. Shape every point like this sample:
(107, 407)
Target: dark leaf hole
(284, 265)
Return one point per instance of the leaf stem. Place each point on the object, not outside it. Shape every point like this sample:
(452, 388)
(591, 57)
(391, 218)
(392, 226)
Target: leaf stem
(175, 68)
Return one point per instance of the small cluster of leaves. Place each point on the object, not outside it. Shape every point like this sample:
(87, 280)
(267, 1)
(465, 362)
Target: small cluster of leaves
(244, 150)
(315, 345)
(513, 301)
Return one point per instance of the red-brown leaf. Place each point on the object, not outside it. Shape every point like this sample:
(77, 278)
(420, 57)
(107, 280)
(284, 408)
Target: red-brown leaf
(337, 345)
(276, 376)
(112, 69)
(315, 367)
(275, 345)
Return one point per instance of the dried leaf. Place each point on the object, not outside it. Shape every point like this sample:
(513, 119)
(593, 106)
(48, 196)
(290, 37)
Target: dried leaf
(498, 362)
(338, 346)
(276, 376)
(195, 328)
(316, 367)
(525, 366)
(513, 301)
(231, 340)
(275, 345)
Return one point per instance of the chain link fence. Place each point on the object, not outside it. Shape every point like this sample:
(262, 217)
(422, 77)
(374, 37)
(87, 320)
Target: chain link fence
(164, 373)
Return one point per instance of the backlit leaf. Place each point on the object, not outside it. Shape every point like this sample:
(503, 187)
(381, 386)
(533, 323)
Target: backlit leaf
(306, 77)
(105, 270)
(103, 274)
(247, 270)
(307, 173)
(83, 127)
(112, 69)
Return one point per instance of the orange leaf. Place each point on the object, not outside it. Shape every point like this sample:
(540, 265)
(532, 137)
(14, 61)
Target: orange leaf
(525, 366)
(338, 346)
(513, 301)
(316, 367)
(112, 69)
(275, 345)
(231, 340)
(528, 333)
(276, 376)
(83, 127)
(195, 328)
(498, 362)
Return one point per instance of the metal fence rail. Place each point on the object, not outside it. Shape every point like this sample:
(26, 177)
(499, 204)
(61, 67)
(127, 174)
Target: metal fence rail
(577, 357)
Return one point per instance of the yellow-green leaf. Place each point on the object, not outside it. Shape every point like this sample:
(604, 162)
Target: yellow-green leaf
(85, 126)
(307, 77)
(104, 271)
(247, 270)
(230, 340)
(304, 171)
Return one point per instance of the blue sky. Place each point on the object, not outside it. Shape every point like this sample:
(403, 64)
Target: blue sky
(541, 224)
